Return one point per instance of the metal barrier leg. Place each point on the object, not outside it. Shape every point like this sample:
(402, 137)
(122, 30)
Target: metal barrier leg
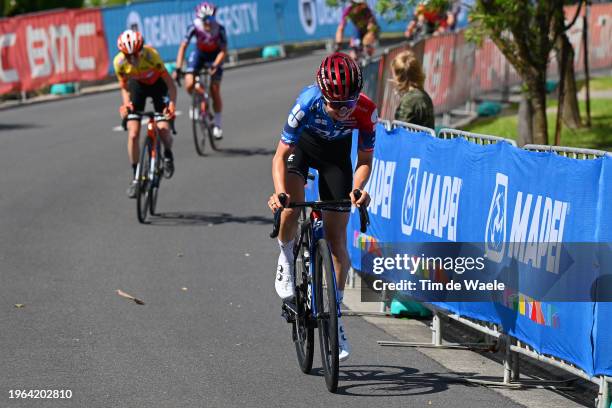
(436, 339)
(436, 330)
(507, 361)
(351, 278)
(603, 397)
(383, 303)
(515, 367)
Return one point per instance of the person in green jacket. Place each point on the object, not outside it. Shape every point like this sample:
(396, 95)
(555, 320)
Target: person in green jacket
(415, 106)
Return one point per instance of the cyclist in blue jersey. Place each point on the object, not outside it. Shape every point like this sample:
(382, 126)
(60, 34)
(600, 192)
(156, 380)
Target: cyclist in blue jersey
(318, 134)
(211, 48)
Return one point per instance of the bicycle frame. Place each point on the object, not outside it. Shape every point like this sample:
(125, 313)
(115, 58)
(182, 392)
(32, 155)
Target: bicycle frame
(317, 233)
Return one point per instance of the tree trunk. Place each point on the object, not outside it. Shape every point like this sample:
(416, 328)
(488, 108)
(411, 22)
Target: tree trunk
(538, 102)
(571, 112)
(525, 121)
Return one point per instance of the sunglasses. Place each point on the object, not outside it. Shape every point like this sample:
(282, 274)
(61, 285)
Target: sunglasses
(341, 105)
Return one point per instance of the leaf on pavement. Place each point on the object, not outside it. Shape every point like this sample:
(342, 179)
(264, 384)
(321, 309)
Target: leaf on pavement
(19, 305)
(128, 296)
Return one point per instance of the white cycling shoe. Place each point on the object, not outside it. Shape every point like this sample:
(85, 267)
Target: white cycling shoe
(217, 132)
(344, 348)
(284, 281)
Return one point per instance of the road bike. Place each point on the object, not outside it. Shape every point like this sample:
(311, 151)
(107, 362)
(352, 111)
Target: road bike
(315, 303)
(150, 169)
(201, 111)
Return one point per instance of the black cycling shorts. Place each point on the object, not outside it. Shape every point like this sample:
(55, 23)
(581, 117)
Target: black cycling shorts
(332, 158)
(139, 92)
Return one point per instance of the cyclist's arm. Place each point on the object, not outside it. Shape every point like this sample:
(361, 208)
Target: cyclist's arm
(223, 45)
(279, 166)
(171, 87)
(340, 32)
(181, 51)
(220, 57)
(125, 93)
(181, 54)
(363, 168)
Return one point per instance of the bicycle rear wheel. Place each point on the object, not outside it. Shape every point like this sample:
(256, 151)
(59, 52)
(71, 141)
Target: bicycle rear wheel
(196, 122)
(303, 335)
(143, 195)
(327, 314)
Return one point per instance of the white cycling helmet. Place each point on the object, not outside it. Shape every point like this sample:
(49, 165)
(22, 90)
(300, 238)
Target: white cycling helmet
(205, 10)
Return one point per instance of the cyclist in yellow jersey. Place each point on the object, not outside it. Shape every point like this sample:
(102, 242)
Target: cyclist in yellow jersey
(142, 74)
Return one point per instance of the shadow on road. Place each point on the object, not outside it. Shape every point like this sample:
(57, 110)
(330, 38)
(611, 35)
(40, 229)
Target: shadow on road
(16, 126)
(389, 381)
(258, 151)
(206, 218)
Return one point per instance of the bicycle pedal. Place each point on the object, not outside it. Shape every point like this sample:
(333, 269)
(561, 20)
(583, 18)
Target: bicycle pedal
(287, 316)
(289, 311)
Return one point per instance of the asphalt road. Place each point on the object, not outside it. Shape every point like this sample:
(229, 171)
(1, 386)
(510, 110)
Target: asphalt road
(210, 333)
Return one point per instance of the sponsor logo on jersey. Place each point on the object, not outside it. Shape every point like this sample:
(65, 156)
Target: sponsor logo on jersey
(295, 116)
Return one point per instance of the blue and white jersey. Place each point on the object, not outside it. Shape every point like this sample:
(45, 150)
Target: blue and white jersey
(308, 115)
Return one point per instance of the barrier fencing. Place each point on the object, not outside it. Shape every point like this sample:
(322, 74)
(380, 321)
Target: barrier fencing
(498, 331)
(458, 72)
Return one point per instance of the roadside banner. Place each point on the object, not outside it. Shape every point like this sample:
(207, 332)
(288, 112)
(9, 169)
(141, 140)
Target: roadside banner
(49, 48)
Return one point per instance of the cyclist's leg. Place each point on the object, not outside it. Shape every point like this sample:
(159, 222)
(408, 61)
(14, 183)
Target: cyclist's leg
(138, 98)
(159, 93)
(215, 91)
(194, 64)
(370, 38)
(335, 183)
(297, 171)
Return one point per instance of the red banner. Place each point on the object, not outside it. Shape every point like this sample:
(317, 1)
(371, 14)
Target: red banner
(48, 48)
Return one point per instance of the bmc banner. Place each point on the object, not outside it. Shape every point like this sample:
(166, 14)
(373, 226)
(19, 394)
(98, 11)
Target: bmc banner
(47, 48)
(539, 222)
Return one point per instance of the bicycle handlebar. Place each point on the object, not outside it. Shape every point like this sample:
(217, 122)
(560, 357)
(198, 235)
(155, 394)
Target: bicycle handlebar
(150, 115)
(364, 218)
(180, 73)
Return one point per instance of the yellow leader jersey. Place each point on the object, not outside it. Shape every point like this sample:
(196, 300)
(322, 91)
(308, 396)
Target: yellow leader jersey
(147, 70)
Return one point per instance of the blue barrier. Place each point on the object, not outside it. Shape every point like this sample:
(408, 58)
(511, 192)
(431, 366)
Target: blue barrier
(497, 194)
(164, 23)
(249, 24)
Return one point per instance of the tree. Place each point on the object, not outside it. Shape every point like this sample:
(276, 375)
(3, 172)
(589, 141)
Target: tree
(16, 7)
(525, 31)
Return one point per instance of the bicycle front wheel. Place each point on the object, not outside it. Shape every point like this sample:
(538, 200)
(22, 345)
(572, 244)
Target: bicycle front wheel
(208, 126)
(196, 122)
(157, 176)
(143, 196)
(303, 327)
(327, 314)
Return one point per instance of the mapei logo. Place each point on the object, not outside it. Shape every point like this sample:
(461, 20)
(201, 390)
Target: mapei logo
(308, 17)
(495, 234)
(380, 187)
(133, 21)
(431, 205)
(536, 231)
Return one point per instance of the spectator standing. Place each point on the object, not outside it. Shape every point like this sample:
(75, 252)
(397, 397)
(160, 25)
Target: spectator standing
(416, 106)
